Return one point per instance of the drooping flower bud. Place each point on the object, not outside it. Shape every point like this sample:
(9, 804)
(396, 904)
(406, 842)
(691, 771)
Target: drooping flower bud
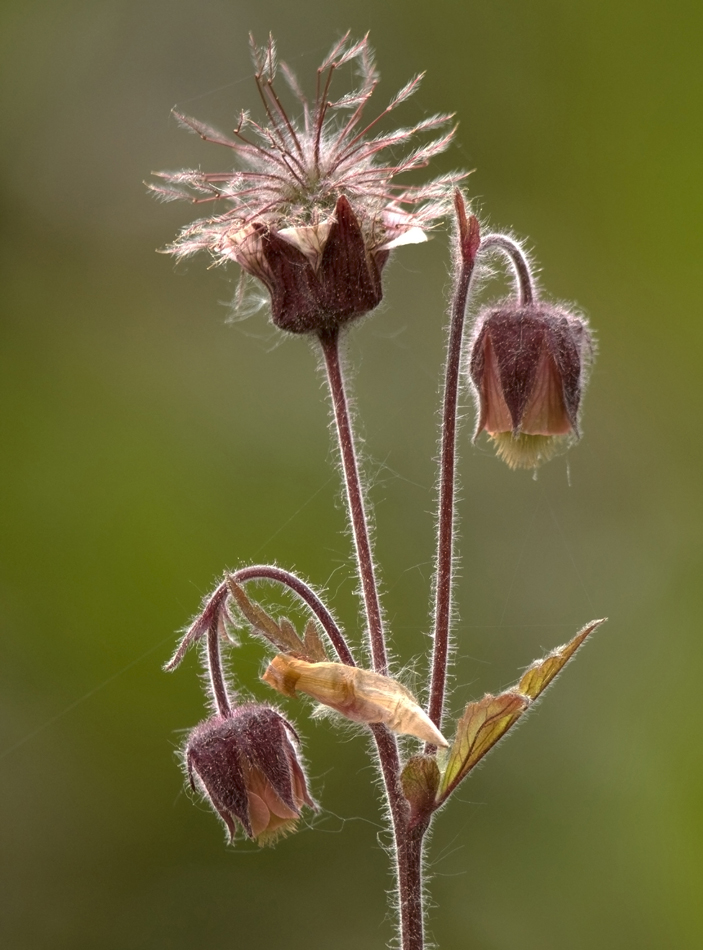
(247, 766)
(360, 695)
(529, 365)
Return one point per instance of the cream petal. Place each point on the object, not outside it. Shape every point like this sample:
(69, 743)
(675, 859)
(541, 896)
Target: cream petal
(309, 240)
(413, 235)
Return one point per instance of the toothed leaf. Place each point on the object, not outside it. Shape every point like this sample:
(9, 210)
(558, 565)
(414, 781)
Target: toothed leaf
(313, 644)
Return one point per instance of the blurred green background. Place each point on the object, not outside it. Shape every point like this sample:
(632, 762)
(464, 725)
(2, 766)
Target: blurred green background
(147, 445)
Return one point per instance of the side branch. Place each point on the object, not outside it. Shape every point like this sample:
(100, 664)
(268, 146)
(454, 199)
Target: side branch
(267, 572)
(523, 274)
(469, 242)
(216, 603)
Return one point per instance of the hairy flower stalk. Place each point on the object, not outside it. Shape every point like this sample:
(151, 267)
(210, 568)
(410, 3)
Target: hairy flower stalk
(468, 242)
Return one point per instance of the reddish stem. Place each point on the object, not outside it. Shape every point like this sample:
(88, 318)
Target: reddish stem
(267, 572)
(408, 843)
(447, 484)
(217, 678)
(523, 274)
(330, 348)
(215, 604)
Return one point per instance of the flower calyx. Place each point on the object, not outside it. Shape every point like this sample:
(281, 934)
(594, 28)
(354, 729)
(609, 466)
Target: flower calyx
(318, 277)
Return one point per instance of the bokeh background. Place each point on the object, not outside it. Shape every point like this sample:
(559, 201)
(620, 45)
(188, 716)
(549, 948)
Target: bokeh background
(147, 445)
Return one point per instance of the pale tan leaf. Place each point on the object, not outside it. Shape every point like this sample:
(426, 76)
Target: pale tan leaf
(360, 695)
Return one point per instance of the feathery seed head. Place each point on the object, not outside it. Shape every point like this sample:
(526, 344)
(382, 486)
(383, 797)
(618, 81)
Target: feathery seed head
(313, 208)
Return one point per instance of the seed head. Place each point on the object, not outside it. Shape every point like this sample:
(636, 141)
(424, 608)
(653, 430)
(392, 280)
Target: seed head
(247, 766)
(313, 210)
(529, 365)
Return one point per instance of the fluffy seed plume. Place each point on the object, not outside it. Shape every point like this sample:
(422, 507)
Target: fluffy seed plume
(313, 208)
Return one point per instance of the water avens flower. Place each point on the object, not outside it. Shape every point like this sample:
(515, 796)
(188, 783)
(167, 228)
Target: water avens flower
(528, 365)
(313, 209)
(312, 212)
(247, 766)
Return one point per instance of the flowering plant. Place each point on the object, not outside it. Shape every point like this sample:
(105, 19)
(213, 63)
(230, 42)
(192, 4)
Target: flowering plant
(313, 213)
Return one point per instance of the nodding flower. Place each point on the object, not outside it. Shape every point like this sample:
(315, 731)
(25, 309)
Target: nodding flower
(247, 766)
(529, 363)
(313, 209)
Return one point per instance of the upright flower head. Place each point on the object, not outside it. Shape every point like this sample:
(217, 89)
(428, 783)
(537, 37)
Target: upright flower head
(313, 210)
(247, 765)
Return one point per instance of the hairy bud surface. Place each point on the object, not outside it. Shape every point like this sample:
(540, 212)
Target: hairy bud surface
(247, 766)
(528, 366)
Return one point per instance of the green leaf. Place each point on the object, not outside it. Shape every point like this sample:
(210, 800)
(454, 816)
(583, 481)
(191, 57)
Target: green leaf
(538, 676)
(485, 722)
(482, 725)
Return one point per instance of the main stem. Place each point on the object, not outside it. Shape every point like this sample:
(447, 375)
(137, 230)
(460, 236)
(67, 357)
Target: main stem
(408, 843)
(355, 499)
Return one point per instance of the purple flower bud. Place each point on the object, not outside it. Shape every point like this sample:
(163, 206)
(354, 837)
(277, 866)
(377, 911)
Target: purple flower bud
(528, 365)
(247, 765)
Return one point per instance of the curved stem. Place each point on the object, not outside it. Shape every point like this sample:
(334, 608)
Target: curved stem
(330, 348)
(447, 479)
(203, 623)
(261, 572)
(217, 678)
(266, 572)
(523, 274)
